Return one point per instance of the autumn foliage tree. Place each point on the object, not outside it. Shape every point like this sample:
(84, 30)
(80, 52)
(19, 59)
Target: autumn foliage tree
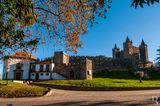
(22, 22)
(26, 23)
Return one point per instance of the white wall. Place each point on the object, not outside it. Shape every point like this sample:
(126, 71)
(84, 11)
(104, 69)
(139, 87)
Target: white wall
(37, 67)
(44, 76)
(10, 66)
(33, 77)
(51, 66)
(26, 68)
(4, 69)
(11, 63)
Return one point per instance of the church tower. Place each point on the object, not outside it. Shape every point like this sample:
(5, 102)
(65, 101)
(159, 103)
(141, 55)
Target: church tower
(127, 47)
(143, 52)
(116, 52)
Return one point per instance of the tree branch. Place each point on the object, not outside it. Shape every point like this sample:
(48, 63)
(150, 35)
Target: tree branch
(39, 8)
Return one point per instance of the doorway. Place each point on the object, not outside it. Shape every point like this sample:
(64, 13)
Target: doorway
(18, 76)
(37, 76)
(72, 75)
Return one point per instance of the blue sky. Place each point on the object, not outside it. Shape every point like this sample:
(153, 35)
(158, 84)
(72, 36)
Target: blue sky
(122, 21)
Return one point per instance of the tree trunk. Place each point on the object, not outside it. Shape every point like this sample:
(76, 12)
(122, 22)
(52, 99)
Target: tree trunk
(140, 80)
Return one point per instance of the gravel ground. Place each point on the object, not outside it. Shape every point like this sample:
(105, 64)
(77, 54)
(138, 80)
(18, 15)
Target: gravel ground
(88, 98)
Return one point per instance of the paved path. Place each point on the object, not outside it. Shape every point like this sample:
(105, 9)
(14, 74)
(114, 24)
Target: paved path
(81, 98)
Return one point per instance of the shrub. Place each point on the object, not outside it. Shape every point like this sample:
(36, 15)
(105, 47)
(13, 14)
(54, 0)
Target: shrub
(140, 74)
(20, 90)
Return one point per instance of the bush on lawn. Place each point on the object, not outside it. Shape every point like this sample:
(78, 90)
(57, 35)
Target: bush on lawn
(21, 90)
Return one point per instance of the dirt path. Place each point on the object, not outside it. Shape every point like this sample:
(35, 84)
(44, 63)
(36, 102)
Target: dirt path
(81, 98)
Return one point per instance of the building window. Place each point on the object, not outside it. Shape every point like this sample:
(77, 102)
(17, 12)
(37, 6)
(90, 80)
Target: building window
(19, 66)
(41, 67)
(114, 64)
(53, 69)
(87, 72)
(41, 74)
(47, 74)
(32, 74)
(33, 67)
(47, 67)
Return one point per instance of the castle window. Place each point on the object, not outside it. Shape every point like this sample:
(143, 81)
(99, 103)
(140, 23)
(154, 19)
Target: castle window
(114, 64)
(47, 67)
(41, 67)
(118, 55)
(41, 74)
(88, 73)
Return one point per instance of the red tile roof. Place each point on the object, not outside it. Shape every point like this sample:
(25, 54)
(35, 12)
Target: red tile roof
(23, 55)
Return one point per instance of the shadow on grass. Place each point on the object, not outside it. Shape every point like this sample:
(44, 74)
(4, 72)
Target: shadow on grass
(102, 103)
(153, 75)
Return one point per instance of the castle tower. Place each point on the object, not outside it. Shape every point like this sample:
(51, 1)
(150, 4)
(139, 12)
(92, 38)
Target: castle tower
(116, 52)
(61, 58)
(127, 47)
(143, 52)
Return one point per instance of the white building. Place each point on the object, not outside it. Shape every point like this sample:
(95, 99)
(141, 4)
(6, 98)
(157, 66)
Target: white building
(24, 66)
(43, 70)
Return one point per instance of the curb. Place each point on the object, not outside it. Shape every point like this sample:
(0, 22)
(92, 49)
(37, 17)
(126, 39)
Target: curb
(49, 93)
(96, 88)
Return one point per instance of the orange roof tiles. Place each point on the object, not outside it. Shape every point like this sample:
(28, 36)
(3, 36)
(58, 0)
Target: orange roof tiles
(24, 55)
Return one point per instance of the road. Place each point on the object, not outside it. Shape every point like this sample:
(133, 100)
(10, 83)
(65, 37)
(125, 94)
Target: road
(89, 98)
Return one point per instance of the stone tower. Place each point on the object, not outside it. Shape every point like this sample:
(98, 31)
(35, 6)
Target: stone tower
(61, 58)
(86, 69)
(127, 46)
(116, 52)
(143, 52)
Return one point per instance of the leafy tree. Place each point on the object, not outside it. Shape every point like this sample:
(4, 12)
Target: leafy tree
(141, 3)
(26, 23)
(13, 15)
(140, 75)
(23, 22)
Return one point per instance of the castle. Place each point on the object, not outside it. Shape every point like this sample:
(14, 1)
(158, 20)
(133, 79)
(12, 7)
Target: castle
(131, 57)
(25, 66)
(138, 56)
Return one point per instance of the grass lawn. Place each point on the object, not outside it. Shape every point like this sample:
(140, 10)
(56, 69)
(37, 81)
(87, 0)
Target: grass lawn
(3, 82)
(111, 79)
(20, 90)
(115, 75)
(104, 82)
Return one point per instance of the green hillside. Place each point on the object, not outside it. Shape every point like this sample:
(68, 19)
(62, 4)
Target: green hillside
(152, 74)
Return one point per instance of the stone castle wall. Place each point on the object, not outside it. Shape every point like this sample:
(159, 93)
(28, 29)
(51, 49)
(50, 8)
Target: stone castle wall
(72, 68)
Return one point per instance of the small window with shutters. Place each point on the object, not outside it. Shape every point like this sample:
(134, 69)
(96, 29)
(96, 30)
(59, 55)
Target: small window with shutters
(41, 67)
(33, 67)
(47, 67)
